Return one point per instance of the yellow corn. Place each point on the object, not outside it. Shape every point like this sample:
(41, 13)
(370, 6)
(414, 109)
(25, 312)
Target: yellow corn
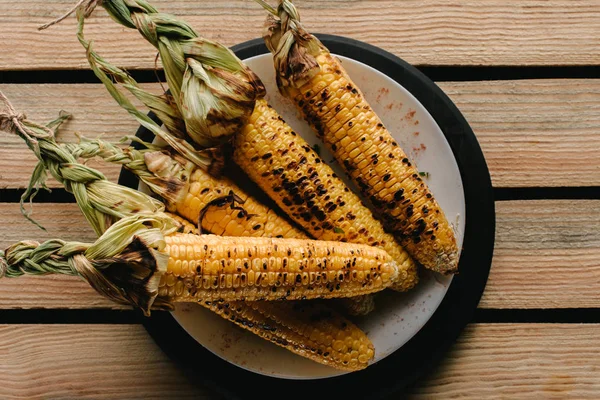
(229, 211)
(209, 267)
(306, 328)
(337, 110)
(307, 189)
(360, 305)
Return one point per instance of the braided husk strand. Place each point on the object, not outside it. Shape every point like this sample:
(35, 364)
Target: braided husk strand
(156, 168)
(210, 86)
(213, 89)
(102, 202)
(124, 264)
(295, 50)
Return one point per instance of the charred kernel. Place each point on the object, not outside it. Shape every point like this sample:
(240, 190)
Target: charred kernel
(399, 195)
(387, 177)
(254, 159)
(267, 156)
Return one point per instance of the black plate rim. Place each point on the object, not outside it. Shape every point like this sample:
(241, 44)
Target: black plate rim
(416, 358)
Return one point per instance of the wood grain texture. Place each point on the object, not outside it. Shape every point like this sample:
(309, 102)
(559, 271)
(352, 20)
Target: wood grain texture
(430, 32)
(88, 362)
(535, 132)
(547, 255)
(518, 361)
(525, 361)
(532, 132)
(94, 114)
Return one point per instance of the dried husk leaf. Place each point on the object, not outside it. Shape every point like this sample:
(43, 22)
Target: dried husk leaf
(213, 90)
(125, 264)
(294, 49)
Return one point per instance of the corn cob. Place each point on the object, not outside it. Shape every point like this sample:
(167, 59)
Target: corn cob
(309, 329)
(360, 305)
(333, 214)
(337, 111)
(216, 204)
(209, 267)
(307, 189)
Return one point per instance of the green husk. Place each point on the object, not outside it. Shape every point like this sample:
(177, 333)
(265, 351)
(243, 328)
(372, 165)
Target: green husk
(208, 159)
(294, 49)
(212, 90)
(102, 202)
(165, 173)
(124, 264)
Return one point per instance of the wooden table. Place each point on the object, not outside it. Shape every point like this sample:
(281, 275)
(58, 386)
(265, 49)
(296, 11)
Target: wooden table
(525, 75)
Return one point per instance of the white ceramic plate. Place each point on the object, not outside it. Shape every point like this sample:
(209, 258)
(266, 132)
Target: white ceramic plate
(398, 317)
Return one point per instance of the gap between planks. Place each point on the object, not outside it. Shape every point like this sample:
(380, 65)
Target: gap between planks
(534, 133)
(547, 255)
(423, 32)
(528, 361)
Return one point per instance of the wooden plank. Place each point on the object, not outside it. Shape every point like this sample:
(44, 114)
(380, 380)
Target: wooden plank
(547, 255)
(94, 114)
(107, 361)
(535, 132)
(524, 361)
(430, 32)
(532, 132)
(88, 362)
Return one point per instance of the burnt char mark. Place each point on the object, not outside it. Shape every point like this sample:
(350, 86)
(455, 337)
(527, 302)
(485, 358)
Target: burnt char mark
(399, 195)
(349, 167)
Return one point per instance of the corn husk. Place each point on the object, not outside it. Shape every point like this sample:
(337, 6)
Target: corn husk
(124, 264)
(211, 88)
(102, 202)
(294, 49)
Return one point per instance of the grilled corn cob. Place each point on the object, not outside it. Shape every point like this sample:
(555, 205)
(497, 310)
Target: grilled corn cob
(338, 112)
(216, 204)
(307, 189)
(209, 267)
(323, 205)
(360, 305)
(309, 329)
